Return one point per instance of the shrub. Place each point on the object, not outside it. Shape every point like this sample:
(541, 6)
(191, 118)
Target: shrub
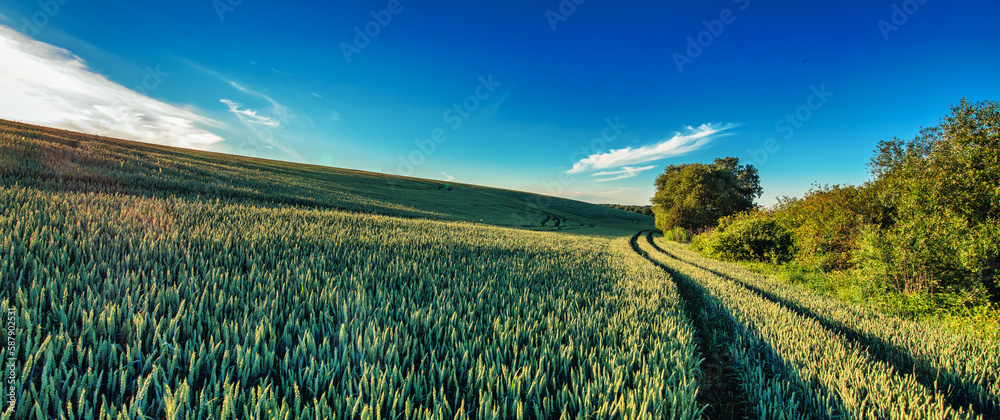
(941, 186)
(752, 236)
(824, 226)
(677, 234)
(700, 239)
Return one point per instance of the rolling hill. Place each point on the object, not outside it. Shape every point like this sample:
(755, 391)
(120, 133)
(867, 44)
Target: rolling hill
(59, 160)
(141, 281)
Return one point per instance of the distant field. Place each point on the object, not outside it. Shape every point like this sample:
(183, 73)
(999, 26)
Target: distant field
(151, 282)
(50, 159)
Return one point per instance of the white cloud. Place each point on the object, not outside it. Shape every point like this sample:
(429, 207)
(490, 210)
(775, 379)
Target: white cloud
(47, 85)
(334, 115)
(282, 112)
(316, 95)
(448, 178)
(679, 144)
(249, 115)
(625, 172)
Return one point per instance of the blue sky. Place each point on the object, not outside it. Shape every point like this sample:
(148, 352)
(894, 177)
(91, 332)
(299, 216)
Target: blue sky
(587, 101)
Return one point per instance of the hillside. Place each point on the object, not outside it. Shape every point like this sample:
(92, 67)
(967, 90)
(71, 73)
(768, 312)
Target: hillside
(59, 160)
(148, 282)
(141, 281)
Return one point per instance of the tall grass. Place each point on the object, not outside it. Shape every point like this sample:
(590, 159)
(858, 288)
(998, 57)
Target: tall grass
(179, 308)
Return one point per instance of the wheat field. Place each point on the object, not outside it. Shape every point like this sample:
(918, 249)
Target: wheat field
(142, 281)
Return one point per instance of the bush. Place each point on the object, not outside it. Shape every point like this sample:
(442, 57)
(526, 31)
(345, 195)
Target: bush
(677, 234)
(824, 225)
(752, 236)
(942, 236)
(700, 239)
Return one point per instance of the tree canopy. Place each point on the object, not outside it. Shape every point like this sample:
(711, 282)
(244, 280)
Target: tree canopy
(943, 200)
(695, 195)
(646, 210)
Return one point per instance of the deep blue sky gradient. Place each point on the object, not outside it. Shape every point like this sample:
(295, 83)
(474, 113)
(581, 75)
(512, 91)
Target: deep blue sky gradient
(606, 60)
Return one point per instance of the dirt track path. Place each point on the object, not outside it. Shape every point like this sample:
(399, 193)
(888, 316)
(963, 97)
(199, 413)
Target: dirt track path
(952, 397)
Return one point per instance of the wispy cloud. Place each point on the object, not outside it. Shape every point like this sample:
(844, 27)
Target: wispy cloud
(250, 116)
(316, 95)
(625, 172)
(679, 144)
(266, 124)
(283, 73)
(621, 190)
(448, 178)
(44, 84)
(282, 112)
(491, 111)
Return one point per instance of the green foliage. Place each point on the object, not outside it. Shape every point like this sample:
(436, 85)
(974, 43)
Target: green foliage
(696, 195)
(942, 189)
(677, 234)
(750, 236)
(927, 224)
(643, 210)
(802, 355)
(825, 225)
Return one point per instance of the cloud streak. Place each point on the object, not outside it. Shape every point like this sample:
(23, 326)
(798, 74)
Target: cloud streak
(47, 85)
(250, 116)
(679, 144)
(625, 172)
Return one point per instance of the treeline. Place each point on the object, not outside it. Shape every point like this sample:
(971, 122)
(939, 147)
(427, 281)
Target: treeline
(924, 228)
(647, 210)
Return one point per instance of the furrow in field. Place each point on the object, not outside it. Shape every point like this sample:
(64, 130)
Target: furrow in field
(963, 371)
(725, 388)
(839, 376)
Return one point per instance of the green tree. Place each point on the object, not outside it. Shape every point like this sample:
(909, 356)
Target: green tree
(695, 195)
(825, 225)
(645, 210)
(942, 191)
(749, 236)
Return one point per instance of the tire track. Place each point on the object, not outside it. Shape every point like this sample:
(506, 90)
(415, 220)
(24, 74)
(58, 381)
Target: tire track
(723, 393)
(876, 348)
